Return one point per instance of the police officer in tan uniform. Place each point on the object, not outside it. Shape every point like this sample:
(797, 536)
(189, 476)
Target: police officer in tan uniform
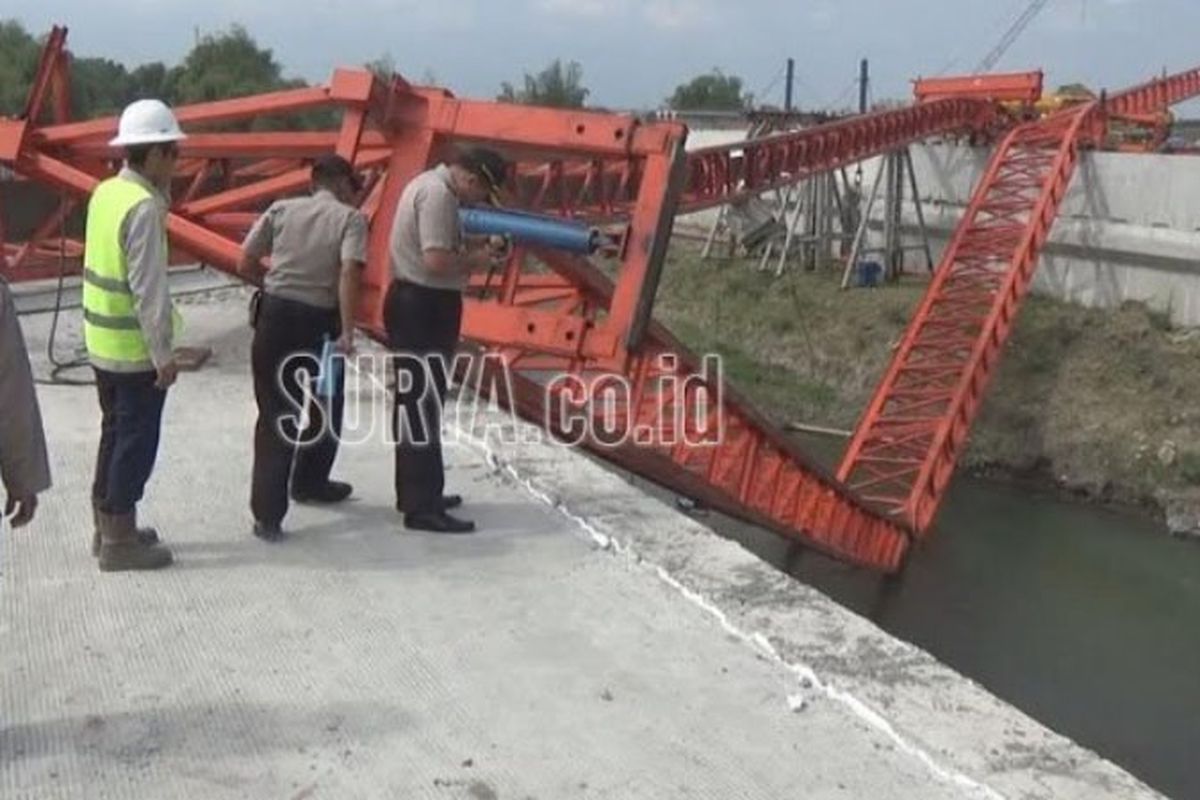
(431, 266)
(317, 247)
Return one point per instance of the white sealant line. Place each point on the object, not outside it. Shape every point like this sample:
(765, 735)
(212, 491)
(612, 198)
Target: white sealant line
(803, 672)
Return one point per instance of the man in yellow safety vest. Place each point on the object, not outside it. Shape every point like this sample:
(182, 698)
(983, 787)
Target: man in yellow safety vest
(130, 326)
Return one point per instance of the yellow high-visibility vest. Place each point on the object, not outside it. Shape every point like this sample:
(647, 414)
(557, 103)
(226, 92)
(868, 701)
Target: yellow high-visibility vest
(110, 325)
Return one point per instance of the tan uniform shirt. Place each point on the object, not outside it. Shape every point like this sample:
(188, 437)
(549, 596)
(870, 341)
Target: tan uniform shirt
(308, 238)
(427, 219)
(24, 465)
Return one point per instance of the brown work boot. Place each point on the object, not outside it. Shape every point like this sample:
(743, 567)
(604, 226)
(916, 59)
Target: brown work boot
(144, 535)
(121, 549)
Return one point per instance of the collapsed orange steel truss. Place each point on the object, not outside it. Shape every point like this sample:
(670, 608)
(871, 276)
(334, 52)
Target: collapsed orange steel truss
(904, 450)
(563, 327)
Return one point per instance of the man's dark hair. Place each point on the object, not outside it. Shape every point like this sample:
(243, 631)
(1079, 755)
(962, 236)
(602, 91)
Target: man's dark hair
(489, 165)
(328, 170)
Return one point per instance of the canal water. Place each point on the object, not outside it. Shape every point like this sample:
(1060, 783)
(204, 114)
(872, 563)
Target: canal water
(1085, 618)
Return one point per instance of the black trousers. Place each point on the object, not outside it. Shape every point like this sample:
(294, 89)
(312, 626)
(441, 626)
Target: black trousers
(288, 337)
(423, 327)
(131, 410)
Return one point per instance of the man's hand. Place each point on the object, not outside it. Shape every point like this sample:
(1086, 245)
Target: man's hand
(251, 269)
(167, 374)
(345, 343)
(20, 510)
(499, 245)
(486, 253)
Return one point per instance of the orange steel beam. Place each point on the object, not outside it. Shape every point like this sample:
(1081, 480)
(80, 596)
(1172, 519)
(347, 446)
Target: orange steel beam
(1013, 87)
(46, 228)
(751, 471)
(273, 145)
(285, 102)
(1155, 96)
(603, 188)
(718, 175)
(50, 70)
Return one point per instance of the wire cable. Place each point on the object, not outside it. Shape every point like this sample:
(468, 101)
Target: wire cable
(764, 93)
(58, 367)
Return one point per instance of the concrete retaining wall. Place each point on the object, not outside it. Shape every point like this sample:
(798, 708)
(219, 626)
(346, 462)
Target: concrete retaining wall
(1129, 228)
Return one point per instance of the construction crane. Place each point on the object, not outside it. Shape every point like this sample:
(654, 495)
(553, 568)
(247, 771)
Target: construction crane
(1011, 35)
(572, 336)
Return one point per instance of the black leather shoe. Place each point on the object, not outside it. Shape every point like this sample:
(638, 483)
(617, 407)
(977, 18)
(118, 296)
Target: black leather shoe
(437, 522)
(269, 532)
(449, 501)
(331, 492)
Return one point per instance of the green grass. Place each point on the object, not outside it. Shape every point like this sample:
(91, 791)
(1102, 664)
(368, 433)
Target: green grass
(1077, 388)
(1189, 467)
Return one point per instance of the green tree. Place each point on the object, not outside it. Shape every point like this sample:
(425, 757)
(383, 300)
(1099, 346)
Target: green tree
(148, 80)
(713, 91)
(557, 86)
(222, 66)
(18, 63)
(98, 86)
(230, 64)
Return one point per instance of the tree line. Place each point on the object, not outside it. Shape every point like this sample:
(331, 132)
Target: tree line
(230, 63)
(561, 85)
(222, 65)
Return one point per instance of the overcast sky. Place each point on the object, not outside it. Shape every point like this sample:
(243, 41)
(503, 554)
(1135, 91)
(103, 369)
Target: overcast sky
(633, 53)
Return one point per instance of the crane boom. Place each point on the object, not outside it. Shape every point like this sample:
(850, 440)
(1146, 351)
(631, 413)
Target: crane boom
(1011, 35)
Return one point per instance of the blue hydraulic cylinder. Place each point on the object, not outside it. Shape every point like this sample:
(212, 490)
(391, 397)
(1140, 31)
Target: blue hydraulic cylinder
(530, 229)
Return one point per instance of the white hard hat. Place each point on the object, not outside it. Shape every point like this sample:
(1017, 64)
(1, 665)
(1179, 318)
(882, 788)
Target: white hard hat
(147, 122)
